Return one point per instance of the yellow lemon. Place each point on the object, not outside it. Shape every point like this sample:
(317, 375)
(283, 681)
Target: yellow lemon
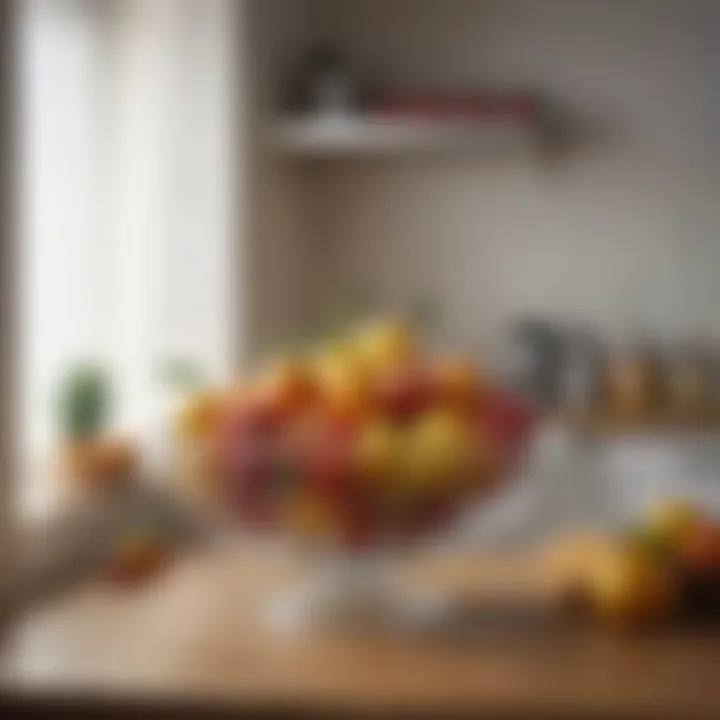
(198, 415)
(378, 451)
(672, 519)
(632, 588)
(439, 448)
(385, 342)
(344, 387)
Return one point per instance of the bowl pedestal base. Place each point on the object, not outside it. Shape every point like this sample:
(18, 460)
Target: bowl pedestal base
(357, 592)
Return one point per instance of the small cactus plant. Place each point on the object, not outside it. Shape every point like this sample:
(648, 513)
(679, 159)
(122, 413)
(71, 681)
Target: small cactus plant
(84, 403)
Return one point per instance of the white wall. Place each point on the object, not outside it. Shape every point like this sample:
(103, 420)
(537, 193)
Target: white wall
(622, 232)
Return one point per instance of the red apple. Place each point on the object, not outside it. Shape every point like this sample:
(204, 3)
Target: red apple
(247, 461)
(403, 391)
(258, 417)
(700, 548)
(699, 555)
(327, 462)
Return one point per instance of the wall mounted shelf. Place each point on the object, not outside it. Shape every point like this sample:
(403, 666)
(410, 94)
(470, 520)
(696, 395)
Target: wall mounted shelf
(369, 137)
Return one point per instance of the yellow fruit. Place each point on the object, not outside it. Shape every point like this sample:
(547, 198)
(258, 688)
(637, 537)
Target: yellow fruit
(672, 519)
(631, 588)
(439, 448)
(378, 452)
(338, 366)
(385, 342)
(344, 387)
(198, 415)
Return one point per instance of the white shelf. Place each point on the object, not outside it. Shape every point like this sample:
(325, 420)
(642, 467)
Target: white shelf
(350, 137)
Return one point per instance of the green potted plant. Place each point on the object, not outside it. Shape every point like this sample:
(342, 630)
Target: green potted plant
(90, 456)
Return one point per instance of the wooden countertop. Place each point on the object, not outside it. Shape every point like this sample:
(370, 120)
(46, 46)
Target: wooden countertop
(195, 637)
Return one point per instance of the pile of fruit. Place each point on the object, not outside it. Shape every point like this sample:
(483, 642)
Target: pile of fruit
(665, 568)
(366, 440)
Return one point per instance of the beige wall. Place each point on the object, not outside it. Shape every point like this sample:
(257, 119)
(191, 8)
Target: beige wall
(274, 239)
(623, 231)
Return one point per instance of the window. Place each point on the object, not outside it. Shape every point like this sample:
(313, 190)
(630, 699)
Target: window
(126, 247)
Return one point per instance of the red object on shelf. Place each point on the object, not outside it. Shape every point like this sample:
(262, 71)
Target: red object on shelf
(510, 105)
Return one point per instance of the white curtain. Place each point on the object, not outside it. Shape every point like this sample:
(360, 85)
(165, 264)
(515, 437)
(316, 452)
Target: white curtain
(127, 213)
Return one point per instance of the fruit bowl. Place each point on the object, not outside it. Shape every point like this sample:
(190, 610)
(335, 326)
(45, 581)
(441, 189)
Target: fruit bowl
(362, 449)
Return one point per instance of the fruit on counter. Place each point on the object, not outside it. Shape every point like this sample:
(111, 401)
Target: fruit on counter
(138, 556)
(631, 588)
(672, 519)
(700, 547)
(699, 554)
(651, 541)
(667, 564)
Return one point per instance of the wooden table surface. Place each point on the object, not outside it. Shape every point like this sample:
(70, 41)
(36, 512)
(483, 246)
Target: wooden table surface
(196, 636)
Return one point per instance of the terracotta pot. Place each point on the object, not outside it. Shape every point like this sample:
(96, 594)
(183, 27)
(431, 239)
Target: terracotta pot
(98, 464)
